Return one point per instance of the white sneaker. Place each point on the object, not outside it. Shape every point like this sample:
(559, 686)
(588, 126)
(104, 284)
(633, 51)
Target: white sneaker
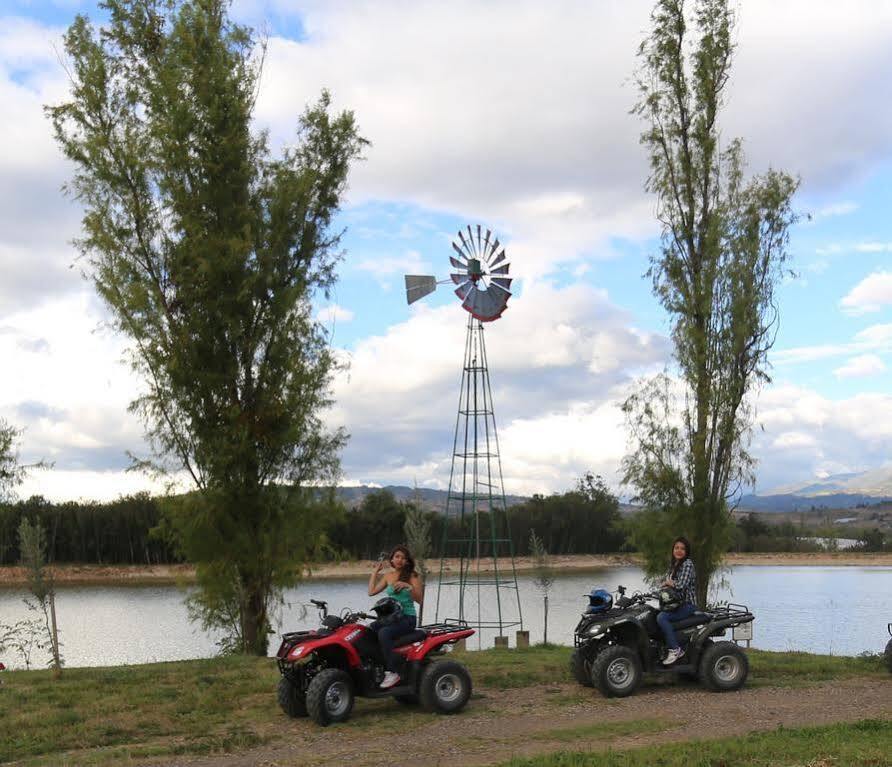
(389, 680)
(672, 656)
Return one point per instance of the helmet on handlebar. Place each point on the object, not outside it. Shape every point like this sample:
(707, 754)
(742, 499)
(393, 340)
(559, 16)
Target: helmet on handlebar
(670, 598)
(599, 601)
(388, 610)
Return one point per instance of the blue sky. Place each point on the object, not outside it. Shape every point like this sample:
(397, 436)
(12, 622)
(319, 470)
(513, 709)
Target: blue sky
(514, 115)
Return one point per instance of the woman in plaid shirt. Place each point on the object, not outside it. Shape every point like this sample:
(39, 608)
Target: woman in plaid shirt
(683, 577)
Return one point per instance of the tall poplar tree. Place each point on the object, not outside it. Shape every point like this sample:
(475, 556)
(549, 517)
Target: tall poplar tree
(208, 252)
(722, 255)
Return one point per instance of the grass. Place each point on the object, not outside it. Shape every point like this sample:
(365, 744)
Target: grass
(186, 707)
(98, 716)
(863, 744)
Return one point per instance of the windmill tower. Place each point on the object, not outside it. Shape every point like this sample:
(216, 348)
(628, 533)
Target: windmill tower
(476, 532)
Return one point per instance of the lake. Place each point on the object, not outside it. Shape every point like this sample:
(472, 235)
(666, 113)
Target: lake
(840, 610)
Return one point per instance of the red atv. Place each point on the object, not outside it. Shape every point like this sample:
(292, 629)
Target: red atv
(325, 669)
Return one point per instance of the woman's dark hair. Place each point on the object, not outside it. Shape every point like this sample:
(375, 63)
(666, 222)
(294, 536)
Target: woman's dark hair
(674, 563)
(408, 569)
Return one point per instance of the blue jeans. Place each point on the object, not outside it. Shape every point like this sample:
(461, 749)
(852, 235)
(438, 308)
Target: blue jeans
(388, 634)
(667, 618)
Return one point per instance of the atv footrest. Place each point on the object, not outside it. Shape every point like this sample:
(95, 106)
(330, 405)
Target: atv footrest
(400, 689)
(676, 668)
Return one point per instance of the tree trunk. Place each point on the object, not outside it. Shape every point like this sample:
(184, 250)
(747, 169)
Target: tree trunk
(545, 631)
(57, 662)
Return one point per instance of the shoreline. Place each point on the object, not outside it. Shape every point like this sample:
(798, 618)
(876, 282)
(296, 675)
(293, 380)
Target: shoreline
(137, 575)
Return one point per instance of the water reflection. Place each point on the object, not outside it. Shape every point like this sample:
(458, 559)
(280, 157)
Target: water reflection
(838, 610)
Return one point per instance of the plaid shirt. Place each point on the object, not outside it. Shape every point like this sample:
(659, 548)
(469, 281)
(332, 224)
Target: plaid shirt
(685, 580)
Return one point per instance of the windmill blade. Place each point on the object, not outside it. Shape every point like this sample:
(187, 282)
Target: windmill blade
(463, 291)
(480, 243)
(456, 264)
(418, 286)
(471, 240)
(468, 251)
(501, 282)
(485, 305)
(503, 269)
(461, 254)
(486, 251)
(493, 248)
(459, 279)
(499, 258)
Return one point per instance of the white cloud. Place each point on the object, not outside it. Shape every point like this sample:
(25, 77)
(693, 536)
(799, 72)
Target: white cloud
(558, 362)
(875, 338)
(410, 262)
(860, 367)
(333, 313)
(870, 295)
(837, 209)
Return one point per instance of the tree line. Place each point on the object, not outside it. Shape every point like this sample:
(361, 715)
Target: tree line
(582, 520)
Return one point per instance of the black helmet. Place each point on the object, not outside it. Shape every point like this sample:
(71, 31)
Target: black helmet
(599, 601)
(670, 598)
(388, 610)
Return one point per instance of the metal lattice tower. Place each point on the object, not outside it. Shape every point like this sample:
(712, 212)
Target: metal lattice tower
(476, 531)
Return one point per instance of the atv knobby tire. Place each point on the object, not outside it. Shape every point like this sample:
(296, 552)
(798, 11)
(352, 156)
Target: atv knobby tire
(724, 667)
(330, 696)
(616, 671)
(445, 687)
(889, 655)
(291, 700)
(581, 668)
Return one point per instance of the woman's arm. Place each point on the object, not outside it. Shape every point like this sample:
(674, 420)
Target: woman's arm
(414, 586)
(377, 582)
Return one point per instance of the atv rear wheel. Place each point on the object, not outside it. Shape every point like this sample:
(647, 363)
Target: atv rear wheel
(445, 687)
(889, 654)
(616, 671)
(581, 668)
(330, 696)
(291, 700)
(724, 667)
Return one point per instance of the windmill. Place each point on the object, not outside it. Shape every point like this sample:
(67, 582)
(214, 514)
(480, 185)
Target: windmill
(476, 530)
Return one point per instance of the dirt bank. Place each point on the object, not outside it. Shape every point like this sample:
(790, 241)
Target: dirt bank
(169, 574)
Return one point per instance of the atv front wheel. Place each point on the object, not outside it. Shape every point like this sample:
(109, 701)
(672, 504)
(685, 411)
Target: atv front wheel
(291, 700)
(889, 654)
(616, 672)
(445, 687)
(581, 668)
(330, 696)
(724, 667)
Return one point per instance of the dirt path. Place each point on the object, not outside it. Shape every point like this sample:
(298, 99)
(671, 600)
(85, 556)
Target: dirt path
(498, 725)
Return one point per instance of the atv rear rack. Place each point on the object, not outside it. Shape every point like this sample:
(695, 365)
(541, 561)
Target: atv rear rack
(729, 610)
(448, 626)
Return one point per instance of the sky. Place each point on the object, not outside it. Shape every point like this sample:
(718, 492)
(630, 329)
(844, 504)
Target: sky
(514, 115)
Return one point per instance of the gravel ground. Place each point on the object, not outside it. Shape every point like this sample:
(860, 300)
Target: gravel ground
(497, 725)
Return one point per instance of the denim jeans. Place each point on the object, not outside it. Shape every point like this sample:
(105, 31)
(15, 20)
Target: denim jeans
(388, 634)
(666, 619)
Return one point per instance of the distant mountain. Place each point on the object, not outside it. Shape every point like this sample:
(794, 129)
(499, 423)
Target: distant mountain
(836, 491)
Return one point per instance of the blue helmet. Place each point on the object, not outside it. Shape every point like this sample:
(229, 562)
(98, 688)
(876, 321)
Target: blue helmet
(599, 601)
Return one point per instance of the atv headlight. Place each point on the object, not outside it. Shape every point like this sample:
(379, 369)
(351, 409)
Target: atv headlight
(595, 628)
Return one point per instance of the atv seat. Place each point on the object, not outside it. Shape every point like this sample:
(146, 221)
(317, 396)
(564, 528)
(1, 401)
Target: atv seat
(697, 619)
(415, 636)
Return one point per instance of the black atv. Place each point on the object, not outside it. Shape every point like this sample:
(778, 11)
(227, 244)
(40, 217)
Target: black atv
(889, 648)
(617, 645)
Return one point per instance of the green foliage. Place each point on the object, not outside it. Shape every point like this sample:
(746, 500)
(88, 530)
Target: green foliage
(723, 252)
(543, 573)
(417, 528)
(32, 545)
(10, 470)
(208, 252)
(112, 533)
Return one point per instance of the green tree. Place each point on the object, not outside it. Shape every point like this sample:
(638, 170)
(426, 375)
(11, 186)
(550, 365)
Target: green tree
(11, 471)
(32, 544)
(724, 246)
(209, 251)
(543, 575)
